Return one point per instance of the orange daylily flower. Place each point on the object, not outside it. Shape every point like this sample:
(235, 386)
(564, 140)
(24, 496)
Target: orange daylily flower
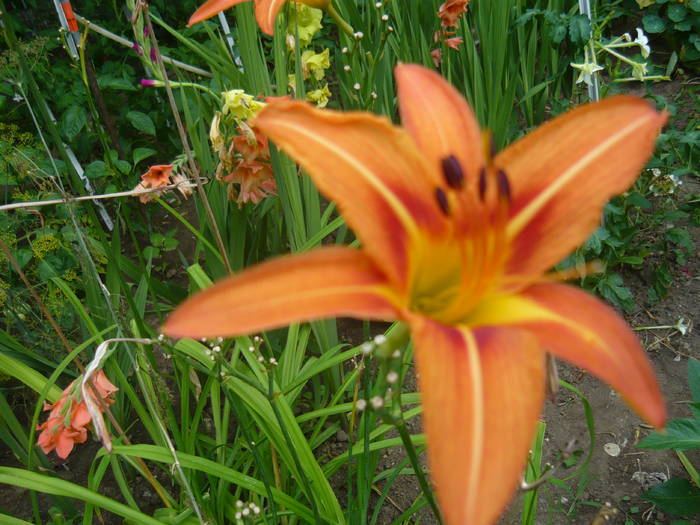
(69, 416)
(265, 10)
(456, 243)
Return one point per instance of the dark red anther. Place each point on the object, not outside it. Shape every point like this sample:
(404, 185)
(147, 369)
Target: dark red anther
(441, 199)
(492, 147)
(504, 185)
(452, 171)
(482, 183)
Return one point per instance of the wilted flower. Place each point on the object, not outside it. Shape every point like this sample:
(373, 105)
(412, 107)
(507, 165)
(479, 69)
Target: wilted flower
(215, 136)
(184, 186)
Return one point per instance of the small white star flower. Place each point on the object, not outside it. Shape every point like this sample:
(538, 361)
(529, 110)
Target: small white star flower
(639, 70)
(587, 69)
(643, 42)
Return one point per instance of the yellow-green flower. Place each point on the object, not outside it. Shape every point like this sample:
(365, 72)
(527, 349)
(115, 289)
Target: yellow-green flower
(240, 105)
(315, 63)
(45, 244)
(319, 96)
(305, 20)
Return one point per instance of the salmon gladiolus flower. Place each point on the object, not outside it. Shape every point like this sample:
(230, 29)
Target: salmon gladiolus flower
(69, 416)
(156, 177)
(451, 11)
(456, 242)
(265, 10)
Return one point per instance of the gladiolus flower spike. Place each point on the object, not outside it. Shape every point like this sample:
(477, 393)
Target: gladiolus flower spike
(69, 417)
(265, 10)
(456, 242)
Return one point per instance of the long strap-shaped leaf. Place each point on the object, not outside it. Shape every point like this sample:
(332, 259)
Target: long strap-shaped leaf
(58, 487)
(155, 453)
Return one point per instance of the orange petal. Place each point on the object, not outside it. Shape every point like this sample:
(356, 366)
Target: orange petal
(439, 119)
(326, 282)
(266, 12)
(370, 168)
(482, 392)
(211, 8)
(579, 328)
(563, 173)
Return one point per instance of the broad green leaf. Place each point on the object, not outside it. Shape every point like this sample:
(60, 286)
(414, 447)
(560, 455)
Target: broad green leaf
(579, 29)
(141, 121)
(653, 24)
(123, 166)
(681, 434)
(116, 83)
(676, 12)
(73, 121)
(694, 5)
(142, 153)
(558, 33)
(676, 496)
(96, 169)
(22, 256)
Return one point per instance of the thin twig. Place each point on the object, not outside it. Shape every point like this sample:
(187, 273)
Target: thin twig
(128, 43)
(135, 193)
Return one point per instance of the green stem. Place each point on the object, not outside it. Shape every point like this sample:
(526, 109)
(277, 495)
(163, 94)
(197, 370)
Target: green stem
(191, 228)
(692, 471)
(396, 338)
(400, 425)
(194, 85)
(347, 28)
